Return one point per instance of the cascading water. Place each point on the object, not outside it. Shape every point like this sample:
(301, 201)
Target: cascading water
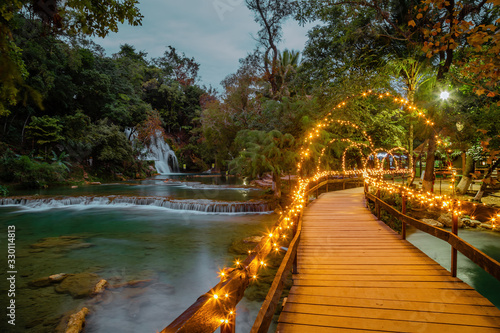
(199, 205)
(159, 152)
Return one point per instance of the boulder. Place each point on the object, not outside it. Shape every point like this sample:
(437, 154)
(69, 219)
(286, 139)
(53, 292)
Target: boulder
(79, 285)
(446, 220)
(471, 223)
(432, 222)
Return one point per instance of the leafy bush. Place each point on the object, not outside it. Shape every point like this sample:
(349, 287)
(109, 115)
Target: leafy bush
(3, 191)
(29, 171)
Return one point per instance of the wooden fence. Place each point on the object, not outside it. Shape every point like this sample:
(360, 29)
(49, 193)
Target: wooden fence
(487, 263)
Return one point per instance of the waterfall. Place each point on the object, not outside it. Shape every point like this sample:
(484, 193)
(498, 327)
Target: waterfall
(159, 152)
(201, 205)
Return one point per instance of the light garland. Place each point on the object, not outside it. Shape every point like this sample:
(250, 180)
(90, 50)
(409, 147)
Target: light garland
(372, 177)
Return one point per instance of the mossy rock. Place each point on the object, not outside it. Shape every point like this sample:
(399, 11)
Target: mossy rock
(78, 285)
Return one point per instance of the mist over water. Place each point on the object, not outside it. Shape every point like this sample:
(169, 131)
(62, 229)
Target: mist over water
(180, 251)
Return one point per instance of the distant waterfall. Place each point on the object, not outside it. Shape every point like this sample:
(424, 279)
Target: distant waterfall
(205, 206)
(159, 152)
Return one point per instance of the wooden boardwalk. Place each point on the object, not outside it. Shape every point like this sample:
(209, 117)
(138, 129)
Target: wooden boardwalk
(357, 275)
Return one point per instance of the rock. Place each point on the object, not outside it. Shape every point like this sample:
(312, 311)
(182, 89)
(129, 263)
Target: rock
(95, 183)
(100, 287)
(486, 226)
(432, 222)
(445, 219)
(471, 223)
(58, 277)
(77, 321)
(78, 285)
(74, 186)
(62, 241)
(40, 283)
(253, 239)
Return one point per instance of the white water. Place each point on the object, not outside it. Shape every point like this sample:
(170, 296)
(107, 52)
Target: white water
(199, 205)
(158, 151)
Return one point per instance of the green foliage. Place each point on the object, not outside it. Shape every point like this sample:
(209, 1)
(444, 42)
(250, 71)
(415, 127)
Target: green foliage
(3, 191)
(28, 171)
(44, 130)
(262, 152)
(111, 148)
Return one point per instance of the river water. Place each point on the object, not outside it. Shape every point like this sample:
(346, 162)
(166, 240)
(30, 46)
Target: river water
(182, 251)
(470, 273)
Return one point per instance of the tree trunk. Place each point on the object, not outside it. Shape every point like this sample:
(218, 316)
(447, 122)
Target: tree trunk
(466, 177)
(414, 166)
(486, 180)
(277, 184)
(428, 182)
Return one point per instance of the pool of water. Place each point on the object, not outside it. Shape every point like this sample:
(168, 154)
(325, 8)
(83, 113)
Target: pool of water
(440, 251)
(174, 186)
(181, 251)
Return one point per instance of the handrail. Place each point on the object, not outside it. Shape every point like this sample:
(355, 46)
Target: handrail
(209, 312)
(481, 259)
(265, 315)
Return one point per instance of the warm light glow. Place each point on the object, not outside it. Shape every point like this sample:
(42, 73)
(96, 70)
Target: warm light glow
(444, 95)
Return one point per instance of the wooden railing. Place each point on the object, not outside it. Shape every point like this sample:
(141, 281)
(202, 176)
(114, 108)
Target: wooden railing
(216, 308)
(481, 259)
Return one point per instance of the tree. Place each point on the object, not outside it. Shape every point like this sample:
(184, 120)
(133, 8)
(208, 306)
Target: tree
(91, 18)
(270, 14)
(265, 152)
(469, 28)
(44, 131)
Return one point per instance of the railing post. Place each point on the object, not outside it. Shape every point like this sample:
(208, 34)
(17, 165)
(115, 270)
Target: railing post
(377, 206)
(454, 230)
(343, 182)
(327, 177)
(295, 257)
(230, 327)
(403, 210)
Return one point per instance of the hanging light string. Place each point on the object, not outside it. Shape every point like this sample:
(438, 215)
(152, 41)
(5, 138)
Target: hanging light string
(280, 234)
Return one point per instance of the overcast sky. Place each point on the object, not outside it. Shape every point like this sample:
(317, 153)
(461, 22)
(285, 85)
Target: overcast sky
(217, 33)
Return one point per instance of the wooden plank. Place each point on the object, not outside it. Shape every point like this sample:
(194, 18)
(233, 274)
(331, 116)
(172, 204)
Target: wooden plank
(294, 328)
(425, 295)
(417, 315)
(390, 325)
(456, 285)
(490, 310)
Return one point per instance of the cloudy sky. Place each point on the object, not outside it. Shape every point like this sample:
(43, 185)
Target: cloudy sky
(217, 33)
